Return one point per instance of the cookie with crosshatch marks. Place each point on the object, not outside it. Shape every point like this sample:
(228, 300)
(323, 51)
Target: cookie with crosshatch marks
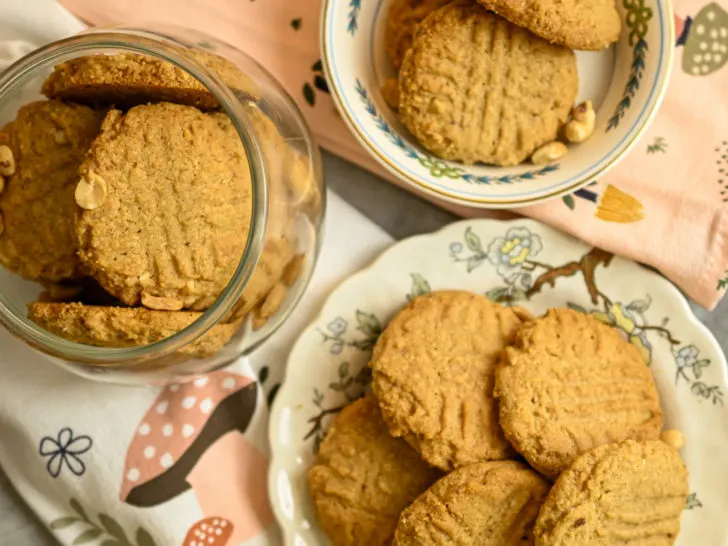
(478, 89)
(171, 206)
(402, 21)
(363, 477)
(625, 493)
(576, 24)
(432, 371)
(485, 504)
(570, 383)
(128, 79)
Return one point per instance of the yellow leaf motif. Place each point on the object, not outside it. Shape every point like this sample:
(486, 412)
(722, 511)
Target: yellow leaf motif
(618, 206)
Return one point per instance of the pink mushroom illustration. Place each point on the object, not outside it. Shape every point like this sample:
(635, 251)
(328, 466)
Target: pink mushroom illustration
(193, 437)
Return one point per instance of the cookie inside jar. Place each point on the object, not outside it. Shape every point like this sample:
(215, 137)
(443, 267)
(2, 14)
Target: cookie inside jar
(128, 195)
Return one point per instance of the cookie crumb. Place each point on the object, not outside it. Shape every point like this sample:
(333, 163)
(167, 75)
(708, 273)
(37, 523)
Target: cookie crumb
(673, 438)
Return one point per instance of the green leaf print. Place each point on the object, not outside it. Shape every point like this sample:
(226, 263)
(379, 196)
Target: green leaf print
(317, 66)
(87, 536)
(296, 23)
(343, 370)
(693, 502)
(143, 538)
(309, 94)
(272, 394)
(473, 241)
(62, 523)
(263, 375)
(368, 324)
(112, 527)
(569, 201)
(420, 286)
(76, 506)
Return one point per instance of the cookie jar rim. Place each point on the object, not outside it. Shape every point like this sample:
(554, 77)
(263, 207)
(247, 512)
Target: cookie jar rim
(133, 40)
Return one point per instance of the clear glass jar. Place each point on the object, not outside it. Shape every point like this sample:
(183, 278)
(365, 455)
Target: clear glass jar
(287, 207)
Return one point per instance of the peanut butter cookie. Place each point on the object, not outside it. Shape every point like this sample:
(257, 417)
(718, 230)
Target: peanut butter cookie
(484, 504)
(43, 149)
(165, 206)
(363, 478)
(576, 24)
(128, 79)
(570, 383)
(627, 493)
(433, 375)
(476, 88)
(125, 327)
(402, 21)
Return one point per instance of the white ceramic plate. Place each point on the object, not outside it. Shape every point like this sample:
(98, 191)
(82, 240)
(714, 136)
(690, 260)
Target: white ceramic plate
(327, 367)
(626, 83)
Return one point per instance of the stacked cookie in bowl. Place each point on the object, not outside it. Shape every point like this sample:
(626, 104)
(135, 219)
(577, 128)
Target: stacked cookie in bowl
(491, 81)
(488, 426)
(128, 193)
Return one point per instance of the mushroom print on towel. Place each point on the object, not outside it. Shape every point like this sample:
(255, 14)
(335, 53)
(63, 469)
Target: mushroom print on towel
(704, 40)
(193, 438)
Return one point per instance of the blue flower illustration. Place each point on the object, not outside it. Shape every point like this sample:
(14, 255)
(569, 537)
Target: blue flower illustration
(456, 248)
(687, 357)
(65, 449)
(509, 253)
(338, 326)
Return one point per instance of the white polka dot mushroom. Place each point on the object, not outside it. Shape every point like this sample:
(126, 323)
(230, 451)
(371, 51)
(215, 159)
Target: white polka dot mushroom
(184, 441)
(209, 532)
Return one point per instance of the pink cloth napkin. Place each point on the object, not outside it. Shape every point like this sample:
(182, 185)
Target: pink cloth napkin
(664, 205)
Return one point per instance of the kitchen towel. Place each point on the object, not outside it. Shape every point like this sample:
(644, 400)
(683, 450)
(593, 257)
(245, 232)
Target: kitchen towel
(665, 205)
(183, 465)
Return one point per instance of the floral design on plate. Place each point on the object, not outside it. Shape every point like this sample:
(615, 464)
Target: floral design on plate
(523, 263)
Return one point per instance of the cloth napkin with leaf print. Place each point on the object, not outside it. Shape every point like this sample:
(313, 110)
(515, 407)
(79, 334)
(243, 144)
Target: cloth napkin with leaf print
(665, 205)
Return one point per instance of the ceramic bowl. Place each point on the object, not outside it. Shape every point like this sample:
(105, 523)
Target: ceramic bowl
(625, 82)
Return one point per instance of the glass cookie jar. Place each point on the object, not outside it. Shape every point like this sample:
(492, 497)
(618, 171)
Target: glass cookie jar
(161, 203)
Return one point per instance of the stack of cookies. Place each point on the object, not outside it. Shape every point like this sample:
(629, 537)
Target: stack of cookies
(128, 195)
(494, 81)
(488, 427)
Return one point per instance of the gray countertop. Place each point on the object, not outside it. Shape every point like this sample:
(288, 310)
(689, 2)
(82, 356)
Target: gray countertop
(397, 212)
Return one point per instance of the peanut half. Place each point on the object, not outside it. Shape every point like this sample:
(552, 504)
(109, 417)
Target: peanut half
(7, 161)
(549, 152)
(90, 192)
(581, 126)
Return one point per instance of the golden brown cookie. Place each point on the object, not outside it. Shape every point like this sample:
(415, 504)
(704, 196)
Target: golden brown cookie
(570, 383)
(576, 24)
(628, 493)
(46, 143)
(433, 375)
(124, 326)
(402, 21)
(171, 206)
(128, 79)
(484, 504)
(363, 478)
(476, 88)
